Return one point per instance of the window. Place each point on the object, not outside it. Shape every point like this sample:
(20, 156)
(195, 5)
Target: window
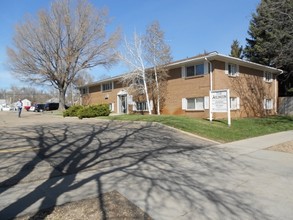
(196, 70)
(190, 71)
(107, 86)
(139, 81)
(84, 90)
(195, 103)
(190, 103)
(234, 103)
(199, 69)
(111, 107)
(232, 69)
(268, 104)
(141, 106)
(268, 77)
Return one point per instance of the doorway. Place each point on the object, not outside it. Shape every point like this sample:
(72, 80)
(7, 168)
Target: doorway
(123, 104)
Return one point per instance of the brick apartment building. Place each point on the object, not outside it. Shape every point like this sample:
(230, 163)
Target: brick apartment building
(253, 88)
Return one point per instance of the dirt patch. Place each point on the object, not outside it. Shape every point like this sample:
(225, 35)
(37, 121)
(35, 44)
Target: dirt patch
(283, 147)
(110, 205)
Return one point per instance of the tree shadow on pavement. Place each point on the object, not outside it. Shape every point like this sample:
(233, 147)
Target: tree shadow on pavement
(156, 168)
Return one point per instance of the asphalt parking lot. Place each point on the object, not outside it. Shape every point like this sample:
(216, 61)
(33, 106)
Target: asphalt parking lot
(49, 160)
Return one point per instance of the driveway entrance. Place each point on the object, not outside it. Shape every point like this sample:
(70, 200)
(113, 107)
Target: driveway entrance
(48, 160)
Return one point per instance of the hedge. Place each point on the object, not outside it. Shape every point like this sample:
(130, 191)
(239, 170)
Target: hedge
(90, 111)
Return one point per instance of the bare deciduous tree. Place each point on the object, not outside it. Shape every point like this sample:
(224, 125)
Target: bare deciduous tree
(147, 57)
(158, 54)
(60, 43)
(133, 57)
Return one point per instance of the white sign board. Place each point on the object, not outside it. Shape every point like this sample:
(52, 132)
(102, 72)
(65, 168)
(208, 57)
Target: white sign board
(220, 102)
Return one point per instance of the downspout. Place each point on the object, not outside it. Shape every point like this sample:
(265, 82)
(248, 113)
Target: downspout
(211, 89)
(276, 97)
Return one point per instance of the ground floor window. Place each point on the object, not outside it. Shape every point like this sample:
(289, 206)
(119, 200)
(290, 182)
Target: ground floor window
(268, 104)
(234, 103)
(141, 106)
(111, 107)
(195, 103)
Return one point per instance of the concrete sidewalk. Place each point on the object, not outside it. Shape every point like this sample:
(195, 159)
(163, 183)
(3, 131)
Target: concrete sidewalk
(239, 180)
(258, 143)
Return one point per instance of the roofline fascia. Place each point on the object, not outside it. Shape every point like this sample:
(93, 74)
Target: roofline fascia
(276, 71)
(102, 81)
(187, 60)
(211, 56)
(214, 55)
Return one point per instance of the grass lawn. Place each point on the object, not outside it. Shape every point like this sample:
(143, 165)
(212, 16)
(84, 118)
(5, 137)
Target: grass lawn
(218, 130)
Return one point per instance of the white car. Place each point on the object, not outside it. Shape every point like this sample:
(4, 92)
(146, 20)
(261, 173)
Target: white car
(5, 108)
(32, 108)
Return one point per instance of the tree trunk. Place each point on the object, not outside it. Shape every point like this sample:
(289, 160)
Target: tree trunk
(146, 93)
(62, 93)
(158, 92)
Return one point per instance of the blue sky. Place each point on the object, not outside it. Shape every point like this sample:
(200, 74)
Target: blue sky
(191, 26)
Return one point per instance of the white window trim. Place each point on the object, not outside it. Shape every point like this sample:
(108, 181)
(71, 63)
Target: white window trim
(227, 69)
(205, 70)
(206, 102)
(112, 107)
(265, 77)
(134, 106)
(237, 103)
(271, 104)
(112, 85)
(184, 104)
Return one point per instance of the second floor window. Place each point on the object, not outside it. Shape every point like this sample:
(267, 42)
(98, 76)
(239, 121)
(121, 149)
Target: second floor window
(107, 86)
(232, 69)
(196, 70)
(268, 77)
(84, 90)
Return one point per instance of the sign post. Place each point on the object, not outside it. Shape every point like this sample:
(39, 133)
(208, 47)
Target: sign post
(220, 102)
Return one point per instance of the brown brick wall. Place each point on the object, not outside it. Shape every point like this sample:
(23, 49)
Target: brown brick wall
(249, 86)
(96, 96)
(178, 88)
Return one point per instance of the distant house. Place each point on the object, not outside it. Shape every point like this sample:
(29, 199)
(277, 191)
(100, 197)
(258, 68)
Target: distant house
(26, 104)
(253, 88)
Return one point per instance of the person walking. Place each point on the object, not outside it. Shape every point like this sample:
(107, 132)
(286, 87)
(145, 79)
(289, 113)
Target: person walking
(19, 107)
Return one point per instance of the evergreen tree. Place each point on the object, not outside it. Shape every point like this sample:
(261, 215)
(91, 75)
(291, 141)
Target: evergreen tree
(271, 39)
(236, 50)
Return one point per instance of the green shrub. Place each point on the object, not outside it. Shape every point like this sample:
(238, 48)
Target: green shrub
(72, 111)
(92, 111)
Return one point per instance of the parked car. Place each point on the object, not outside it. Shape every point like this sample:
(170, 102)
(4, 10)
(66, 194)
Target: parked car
(32, 108)
(53, 106)
(39, 107)
(27, 108)
(6, 108)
